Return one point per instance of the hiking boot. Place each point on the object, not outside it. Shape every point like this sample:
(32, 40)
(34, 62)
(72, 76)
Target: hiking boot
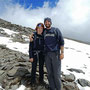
(47, 86)
(43, 83)
(32, 84)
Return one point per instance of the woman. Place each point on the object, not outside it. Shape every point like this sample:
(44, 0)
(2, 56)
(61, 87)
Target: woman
(36, 48)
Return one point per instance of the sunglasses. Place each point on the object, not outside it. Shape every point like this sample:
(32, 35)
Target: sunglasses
(39, 25)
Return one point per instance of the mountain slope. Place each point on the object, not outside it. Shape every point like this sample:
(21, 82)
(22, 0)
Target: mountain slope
(14, 27)
(76, 61)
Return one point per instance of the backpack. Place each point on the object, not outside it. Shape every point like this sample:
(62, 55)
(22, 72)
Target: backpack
(34, 39)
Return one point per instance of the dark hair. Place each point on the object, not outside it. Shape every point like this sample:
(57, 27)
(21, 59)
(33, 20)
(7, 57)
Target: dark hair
(49, 19)
(39, 25)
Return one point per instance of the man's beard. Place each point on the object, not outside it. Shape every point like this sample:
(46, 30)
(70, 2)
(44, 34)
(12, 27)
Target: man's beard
(48, 26)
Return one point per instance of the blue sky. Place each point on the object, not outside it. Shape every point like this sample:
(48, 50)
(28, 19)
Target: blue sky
(35, 3)
(28, 3)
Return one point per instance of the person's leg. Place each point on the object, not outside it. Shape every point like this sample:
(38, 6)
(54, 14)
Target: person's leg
(33, 71)
(41, 67)
(56, 63)
(49, 68)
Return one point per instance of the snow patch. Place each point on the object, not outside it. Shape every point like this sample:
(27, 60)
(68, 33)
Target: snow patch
(14, 45)
(8, 31)
(22, 87)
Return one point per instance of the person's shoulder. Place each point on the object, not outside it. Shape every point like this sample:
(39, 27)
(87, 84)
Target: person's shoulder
(52, 27)
(44, 29)
(34, 33)
(55, 28)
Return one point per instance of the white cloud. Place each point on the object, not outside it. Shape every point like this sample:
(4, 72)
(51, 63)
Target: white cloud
(71, 16)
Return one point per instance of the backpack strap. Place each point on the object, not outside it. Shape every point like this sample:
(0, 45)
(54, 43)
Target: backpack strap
(44, 33)
(34, 39)
(56, 34)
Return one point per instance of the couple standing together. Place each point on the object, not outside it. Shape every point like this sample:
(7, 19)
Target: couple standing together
(47, 45)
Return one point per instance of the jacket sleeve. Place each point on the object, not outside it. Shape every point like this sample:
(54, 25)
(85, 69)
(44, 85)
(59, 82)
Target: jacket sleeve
(30, 49)
(60, 37)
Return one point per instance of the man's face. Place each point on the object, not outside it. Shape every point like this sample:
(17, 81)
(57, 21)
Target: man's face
(47, 24)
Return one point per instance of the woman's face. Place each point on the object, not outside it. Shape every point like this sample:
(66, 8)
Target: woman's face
(39, 30)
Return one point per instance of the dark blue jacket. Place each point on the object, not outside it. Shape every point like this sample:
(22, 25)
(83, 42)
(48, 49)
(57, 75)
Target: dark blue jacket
(53, 39)
(36, 45)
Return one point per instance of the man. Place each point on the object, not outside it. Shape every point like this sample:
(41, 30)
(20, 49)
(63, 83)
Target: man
(54, 53)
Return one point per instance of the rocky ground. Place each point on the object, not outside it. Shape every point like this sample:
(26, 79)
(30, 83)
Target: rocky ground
(15, 67)
(15, 70)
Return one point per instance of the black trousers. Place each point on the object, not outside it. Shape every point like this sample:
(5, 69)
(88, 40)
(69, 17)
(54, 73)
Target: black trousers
(40, 58)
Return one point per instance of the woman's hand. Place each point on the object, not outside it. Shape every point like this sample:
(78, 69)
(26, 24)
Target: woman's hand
(31, 37)
(61, 56)
(31, 60)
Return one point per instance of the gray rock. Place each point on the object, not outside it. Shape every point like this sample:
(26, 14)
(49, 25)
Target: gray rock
(17, 72)
(2, 77)
(14, 87)
(83, 82)
(25, 58)
(1, 89)
(20, 64)
(1, 72)
(76, 70)
(18, 38)
(3, 34)
(69, 78)
(12, 72)
(3, 46)
(22, 59)
(70, 86)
